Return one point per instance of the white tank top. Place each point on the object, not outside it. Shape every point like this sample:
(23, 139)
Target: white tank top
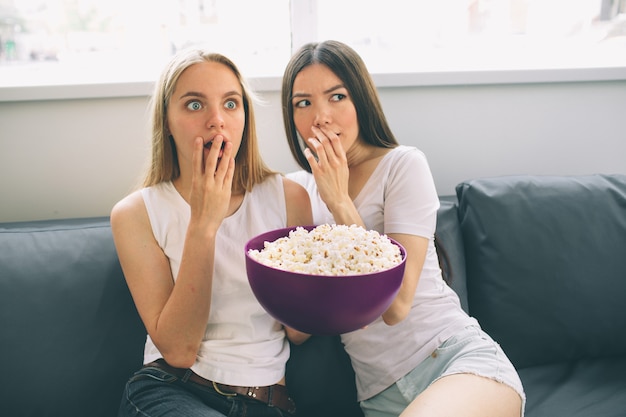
(242, 344)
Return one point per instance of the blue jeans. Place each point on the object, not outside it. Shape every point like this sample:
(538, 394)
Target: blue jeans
(153, 392)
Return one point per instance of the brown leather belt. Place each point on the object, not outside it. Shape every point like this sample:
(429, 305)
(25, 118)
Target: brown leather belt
(273, 395)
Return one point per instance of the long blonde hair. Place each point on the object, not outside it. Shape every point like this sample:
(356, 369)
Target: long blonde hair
(250, 168)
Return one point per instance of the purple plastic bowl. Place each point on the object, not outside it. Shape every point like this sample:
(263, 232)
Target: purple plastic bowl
(318, 304)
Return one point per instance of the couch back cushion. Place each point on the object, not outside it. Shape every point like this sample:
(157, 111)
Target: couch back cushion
(546, 264)
(450, 248)
(71, 335)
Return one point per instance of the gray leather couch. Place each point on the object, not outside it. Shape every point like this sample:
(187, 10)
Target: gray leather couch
(539, 260)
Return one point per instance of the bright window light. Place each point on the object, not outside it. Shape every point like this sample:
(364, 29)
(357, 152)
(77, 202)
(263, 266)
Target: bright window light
(56, 42)
(429, 35)
(101, 41)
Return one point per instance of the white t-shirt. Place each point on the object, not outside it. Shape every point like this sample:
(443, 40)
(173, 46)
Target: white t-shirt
(242, 344)
(399, 197)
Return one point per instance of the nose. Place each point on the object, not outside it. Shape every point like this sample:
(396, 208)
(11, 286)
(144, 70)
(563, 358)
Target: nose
(215, 118)
(322, 117)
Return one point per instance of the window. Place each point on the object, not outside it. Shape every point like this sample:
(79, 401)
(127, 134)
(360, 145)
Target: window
(45, 42)
(60, 41)
(429, 35)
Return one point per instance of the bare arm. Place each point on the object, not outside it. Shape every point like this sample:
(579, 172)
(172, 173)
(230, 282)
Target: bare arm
(175, 316)
(416, 248)
(172, 314)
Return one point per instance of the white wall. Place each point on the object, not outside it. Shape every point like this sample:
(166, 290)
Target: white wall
(77, 157)
(477, 131)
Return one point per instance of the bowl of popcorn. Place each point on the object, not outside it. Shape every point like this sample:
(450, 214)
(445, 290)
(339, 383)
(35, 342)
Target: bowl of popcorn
(325, 279)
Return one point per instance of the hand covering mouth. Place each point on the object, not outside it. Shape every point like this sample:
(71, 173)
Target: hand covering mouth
(210, 143)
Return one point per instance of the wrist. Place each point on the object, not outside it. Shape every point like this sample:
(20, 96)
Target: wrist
(344, 212)
(202, 230)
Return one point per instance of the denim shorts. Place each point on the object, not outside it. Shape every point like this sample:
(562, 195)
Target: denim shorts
(154, 392)
(471, 351)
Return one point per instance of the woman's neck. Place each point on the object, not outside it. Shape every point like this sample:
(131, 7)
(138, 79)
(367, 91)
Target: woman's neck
(361, 152)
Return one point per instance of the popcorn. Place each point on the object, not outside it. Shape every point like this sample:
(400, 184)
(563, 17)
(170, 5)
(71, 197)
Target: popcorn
(330, 250)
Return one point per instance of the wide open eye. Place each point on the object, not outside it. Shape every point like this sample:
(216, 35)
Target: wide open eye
(230, 104)
(194, 105)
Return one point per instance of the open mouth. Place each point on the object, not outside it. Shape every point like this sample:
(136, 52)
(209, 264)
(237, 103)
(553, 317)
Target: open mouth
(208, 145)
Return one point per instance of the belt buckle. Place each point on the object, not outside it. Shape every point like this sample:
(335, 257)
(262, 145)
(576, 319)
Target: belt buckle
(219, 391)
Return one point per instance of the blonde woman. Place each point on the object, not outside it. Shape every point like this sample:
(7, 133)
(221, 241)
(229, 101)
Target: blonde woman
(211, 349)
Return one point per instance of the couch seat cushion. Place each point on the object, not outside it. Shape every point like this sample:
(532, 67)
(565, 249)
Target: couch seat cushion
(585, 388)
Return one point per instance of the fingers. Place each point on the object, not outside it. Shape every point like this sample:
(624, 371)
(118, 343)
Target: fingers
(197, 156)
(200, 165)
(226, 166)
(333, 140)
(327, 147)
(210, 165)
(217, 166)
(212, 179)
(312, 159)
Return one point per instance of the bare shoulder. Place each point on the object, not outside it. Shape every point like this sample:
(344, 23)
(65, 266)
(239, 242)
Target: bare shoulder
(134, 240)
(295, 193)
(294, 190)
(298, 203)
(129, 211)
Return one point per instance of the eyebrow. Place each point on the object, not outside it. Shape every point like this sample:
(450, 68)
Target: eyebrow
(329, 90)
(333, 88)
(202, 95)
(191, 94)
